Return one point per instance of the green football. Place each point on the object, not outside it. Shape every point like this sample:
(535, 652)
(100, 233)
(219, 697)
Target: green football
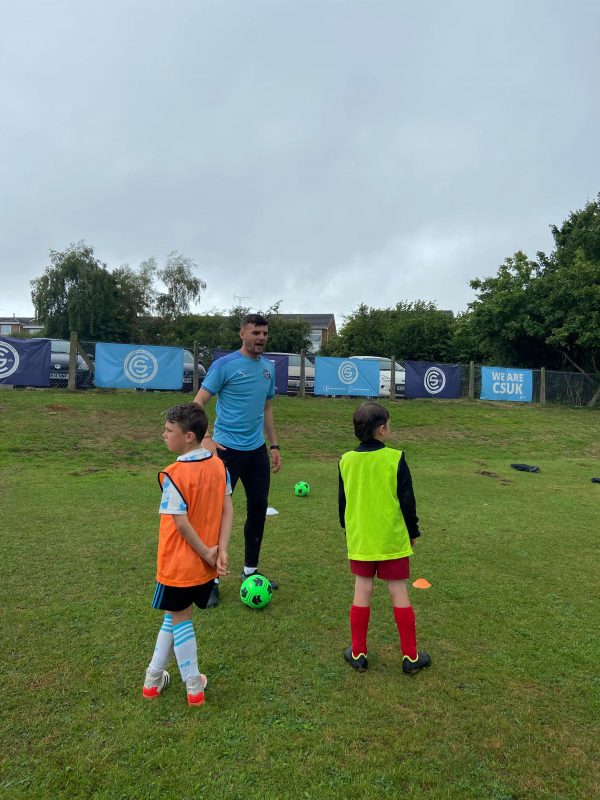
(301, 489)
(256, 591)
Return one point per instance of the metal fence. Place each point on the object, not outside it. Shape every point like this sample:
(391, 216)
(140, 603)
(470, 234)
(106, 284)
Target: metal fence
(76, 371)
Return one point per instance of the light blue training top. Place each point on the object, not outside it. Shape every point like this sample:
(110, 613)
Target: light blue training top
(243, 385)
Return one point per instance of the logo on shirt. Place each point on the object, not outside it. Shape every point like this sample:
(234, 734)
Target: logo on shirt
(267, 374)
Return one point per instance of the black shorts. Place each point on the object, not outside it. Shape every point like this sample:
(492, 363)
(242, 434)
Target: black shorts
(176, 598)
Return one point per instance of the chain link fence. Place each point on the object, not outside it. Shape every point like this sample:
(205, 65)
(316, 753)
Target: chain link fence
(549, 386)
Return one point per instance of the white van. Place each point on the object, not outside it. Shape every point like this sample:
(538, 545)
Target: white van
(294, 363)
(385, 372)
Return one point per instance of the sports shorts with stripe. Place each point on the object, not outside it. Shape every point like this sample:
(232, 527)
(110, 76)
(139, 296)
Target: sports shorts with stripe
(176, 598)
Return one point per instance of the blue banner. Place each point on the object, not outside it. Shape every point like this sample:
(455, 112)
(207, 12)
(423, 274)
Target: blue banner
(129, 366)
(432, 380)
(504, 383)
(281, 368)
(346, 376)
(24, 362)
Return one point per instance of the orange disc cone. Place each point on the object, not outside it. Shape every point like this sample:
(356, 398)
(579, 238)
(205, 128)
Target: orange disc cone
(421, 583)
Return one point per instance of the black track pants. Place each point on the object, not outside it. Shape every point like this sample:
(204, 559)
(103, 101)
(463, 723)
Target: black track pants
(253, 469)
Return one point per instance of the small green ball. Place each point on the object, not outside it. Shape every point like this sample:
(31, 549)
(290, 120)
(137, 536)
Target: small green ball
(256, 591)
(301, 489)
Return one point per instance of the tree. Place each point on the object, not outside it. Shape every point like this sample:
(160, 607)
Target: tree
(545, 312)
(417, 331)
(76, 292)
(183, 287)
(221, 331)
(287, 335)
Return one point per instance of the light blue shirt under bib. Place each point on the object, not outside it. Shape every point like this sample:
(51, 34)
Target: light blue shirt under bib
(243, 385)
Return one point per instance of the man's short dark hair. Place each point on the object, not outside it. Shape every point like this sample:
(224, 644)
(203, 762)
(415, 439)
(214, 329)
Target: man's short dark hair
(189, 417)
(253, 319)
(367, 418)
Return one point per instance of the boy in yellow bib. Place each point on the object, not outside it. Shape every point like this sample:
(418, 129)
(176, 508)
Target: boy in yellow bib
(378, 510)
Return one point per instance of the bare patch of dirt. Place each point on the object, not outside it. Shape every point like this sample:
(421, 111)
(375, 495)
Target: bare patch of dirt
(87, 471)
(489, 474)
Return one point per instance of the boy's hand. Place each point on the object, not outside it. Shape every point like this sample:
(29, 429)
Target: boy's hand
(211, 556)
(209, 444)
(223, 562)
(412, 542)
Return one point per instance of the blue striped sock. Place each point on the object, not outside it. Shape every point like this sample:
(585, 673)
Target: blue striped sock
(163, 647)
(184, 641)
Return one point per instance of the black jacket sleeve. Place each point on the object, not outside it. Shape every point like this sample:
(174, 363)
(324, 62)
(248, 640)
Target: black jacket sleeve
(341, 499)
(406, 497)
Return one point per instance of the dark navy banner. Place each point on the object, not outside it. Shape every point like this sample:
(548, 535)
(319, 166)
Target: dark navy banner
(129, 366)
(432, 380)
(281, 368)
(24, 362)
(346, 376)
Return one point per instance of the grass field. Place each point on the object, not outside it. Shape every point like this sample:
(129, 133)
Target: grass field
(508, 711)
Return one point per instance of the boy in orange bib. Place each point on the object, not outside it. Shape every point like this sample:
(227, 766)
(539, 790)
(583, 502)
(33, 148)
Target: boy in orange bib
(196, 515)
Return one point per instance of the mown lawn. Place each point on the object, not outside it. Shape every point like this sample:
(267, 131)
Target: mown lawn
(508, 710)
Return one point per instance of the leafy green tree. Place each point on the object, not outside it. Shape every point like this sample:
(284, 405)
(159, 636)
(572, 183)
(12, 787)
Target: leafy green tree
(183, 287)
(416, 331)
(221, 331)
(545, 312)
(287, 335)
(77, 292)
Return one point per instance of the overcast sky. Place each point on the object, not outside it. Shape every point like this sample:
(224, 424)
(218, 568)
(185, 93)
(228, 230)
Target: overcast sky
(319, 152)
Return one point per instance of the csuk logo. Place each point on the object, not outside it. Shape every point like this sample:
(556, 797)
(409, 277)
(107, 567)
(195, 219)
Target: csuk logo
(140, 366)
(9, 360)
(348, 372)
(434, 380)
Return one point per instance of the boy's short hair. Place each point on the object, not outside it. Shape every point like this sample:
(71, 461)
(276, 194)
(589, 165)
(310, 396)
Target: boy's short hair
(189, 417)
(253, 319)
(367, 418)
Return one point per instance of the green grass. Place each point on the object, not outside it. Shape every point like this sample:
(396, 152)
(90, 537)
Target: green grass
(508, 711)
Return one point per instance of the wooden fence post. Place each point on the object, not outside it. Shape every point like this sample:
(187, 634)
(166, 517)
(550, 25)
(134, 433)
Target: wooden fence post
(72, 381)
(195, 376)
(471, 380)
(303, 372)
(543, 386)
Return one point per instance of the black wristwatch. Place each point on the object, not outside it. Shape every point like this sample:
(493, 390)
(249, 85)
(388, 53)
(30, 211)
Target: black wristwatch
(275, 447)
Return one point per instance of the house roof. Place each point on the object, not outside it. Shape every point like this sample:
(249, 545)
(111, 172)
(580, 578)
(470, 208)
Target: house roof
(314, 320)
(18, 320)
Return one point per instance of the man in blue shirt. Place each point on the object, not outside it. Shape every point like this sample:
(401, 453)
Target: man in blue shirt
(244, 383)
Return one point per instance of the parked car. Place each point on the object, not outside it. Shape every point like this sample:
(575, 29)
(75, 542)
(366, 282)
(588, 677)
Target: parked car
(60, 350)
(188, 371)
(385, 372)
(294, 364)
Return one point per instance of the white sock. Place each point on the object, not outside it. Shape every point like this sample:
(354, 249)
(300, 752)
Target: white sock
(186, 653)
(164, 646)
(250, 570)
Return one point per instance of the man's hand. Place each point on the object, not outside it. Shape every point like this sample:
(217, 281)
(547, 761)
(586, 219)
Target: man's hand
(211, 556)
(209, 444)
(222, 562)
(275, 460)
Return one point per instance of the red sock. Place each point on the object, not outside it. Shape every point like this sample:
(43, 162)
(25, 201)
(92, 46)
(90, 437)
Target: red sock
(359, 624)
(405, 620)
